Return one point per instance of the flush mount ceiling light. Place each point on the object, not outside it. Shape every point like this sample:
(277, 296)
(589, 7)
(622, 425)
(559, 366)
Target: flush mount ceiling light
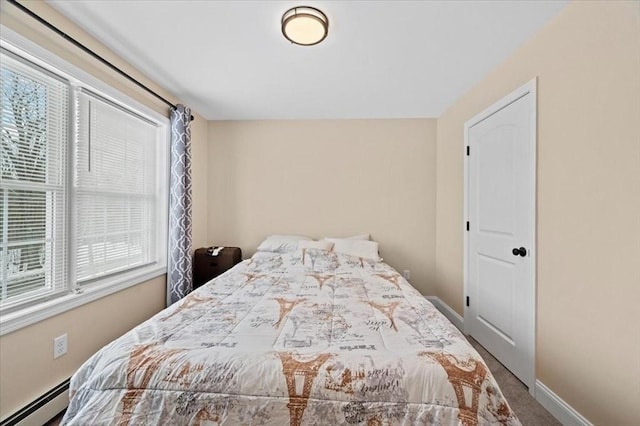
(305, 25)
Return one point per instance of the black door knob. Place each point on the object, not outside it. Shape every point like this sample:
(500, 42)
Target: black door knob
(519, 251)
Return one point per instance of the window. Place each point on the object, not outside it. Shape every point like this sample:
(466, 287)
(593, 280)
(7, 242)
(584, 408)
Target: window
(82, 186)
(115, 189)
(34, 115)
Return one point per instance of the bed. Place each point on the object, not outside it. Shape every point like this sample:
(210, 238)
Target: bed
(298, 337)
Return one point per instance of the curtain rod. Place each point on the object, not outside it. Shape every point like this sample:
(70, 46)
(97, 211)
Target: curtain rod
(89, 51)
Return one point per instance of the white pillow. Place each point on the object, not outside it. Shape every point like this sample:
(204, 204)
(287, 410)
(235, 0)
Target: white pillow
(365, 237)
(354, 237)
(322, 244)
(282, 243)
(287, 237)
(357, 248)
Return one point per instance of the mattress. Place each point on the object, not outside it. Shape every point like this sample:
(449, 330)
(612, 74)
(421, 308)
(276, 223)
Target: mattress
(301, 338)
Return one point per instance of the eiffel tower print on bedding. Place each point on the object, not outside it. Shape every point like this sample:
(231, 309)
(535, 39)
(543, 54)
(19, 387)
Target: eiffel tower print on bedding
(292, 338)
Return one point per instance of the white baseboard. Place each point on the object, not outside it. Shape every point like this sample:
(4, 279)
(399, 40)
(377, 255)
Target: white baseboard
(558, 408)
(42, 409)
(446, 310)
(555, 405)
(47, 412)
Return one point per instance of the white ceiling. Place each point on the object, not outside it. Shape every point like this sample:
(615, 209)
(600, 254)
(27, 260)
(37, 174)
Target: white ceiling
(382, 59)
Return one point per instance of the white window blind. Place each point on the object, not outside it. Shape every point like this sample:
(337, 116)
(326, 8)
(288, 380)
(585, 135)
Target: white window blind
(33, 186)
(83, 187)
(116, 187)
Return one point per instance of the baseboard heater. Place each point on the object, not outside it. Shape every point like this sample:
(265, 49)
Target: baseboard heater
(42, 409)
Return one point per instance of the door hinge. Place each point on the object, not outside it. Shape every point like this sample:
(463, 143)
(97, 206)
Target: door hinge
(467, 301)
(467, 225)
(468, 149)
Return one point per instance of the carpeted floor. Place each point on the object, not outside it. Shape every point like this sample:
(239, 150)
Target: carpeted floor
(528, 410)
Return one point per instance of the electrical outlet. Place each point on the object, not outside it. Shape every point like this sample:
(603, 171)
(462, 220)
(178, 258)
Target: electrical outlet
(59, 346)
(406, 274)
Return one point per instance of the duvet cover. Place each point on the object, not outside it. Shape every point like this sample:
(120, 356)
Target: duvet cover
(304, 338)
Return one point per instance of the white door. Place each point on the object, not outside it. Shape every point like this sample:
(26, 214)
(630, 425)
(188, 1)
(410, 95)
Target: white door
(500, 207)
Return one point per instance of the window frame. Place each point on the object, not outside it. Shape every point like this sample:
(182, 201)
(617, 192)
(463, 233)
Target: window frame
(78, 295)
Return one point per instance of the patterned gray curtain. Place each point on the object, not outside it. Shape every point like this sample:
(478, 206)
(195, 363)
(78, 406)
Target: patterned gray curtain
(179, 277)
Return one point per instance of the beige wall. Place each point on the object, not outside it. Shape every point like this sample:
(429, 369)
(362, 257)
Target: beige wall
(327, 178)
(27, 367)
(199, 180)
(588, 334)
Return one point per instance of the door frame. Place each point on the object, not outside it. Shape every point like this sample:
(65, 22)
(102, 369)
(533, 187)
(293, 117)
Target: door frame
(528, 88)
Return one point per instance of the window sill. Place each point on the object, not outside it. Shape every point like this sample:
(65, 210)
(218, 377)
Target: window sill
(41, 311)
